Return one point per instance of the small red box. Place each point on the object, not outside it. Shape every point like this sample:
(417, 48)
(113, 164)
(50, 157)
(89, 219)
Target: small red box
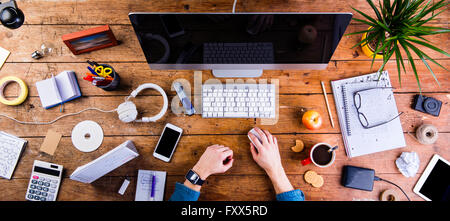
(90, 39)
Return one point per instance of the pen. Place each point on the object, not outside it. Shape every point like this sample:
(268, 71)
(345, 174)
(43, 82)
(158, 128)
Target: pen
(328, 106)
(92, 71)
(152, 194)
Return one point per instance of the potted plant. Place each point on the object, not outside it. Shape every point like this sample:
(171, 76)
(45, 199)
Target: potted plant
(401, 26)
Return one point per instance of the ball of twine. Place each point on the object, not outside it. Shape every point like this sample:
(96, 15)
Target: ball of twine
(427, 134)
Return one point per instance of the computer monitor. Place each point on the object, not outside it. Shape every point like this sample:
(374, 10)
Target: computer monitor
(239, 44)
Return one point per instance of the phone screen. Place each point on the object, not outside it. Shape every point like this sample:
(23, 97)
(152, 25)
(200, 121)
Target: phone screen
(167, 142)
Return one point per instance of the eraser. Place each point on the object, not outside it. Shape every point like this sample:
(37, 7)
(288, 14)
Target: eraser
(124, 186)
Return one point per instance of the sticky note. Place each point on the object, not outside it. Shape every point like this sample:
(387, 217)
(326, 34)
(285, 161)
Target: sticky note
(50, 142)
(4, 54)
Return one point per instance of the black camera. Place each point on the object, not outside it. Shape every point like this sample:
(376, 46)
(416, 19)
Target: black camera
(427, 105)
(10, 15)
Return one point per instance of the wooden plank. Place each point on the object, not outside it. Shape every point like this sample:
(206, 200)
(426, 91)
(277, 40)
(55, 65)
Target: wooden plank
(289, 119)
(115, 12)
(218, 188)
(290, 81)
(191, 148)
(22, 42)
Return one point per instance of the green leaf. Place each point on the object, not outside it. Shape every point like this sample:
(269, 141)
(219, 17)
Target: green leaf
(386, 57)
(366, 40)
(365, 22)
(411, 61)
(398, 58)
(358, 32)
(431, 59)
(427, 45)
(419, 53)
(397, 52)
(374, 9)
(365, 15)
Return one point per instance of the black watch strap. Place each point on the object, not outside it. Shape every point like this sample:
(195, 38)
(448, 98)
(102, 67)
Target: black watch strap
(194, 178)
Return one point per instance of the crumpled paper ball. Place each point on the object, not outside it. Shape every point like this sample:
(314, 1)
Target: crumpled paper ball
(408, 163)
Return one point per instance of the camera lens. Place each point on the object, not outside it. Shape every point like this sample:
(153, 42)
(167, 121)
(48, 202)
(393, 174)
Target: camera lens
(11, 17)
(431, 105)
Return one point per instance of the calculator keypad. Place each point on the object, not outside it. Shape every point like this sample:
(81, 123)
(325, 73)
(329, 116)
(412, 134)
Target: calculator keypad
(42, 189)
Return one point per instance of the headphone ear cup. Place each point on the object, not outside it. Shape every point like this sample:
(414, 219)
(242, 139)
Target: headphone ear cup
(127, 112)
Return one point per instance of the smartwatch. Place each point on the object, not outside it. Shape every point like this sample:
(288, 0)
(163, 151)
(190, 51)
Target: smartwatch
(194, 178)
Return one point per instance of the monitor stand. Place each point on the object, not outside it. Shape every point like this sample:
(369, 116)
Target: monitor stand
(237, 73)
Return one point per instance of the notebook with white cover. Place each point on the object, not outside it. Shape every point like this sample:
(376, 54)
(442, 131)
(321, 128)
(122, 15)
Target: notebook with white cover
(106, 163)
(144, 185)
(357, 139)
(58, 89)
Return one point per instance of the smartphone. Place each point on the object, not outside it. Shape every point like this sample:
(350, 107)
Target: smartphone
(172, 25)
(167, 142)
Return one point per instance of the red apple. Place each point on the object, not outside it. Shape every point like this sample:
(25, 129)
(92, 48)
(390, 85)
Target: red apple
(312, 120)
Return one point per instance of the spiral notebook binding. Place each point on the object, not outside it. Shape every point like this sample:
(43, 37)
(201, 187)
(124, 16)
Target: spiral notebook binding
(346, 111)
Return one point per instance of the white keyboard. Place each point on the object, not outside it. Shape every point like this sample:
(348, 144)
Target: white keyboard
(11, 148)
(238, 100)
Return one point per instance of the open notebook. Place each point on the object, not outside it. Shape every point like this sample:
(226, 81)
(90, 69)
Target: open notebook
(58, 89)
(378, 105)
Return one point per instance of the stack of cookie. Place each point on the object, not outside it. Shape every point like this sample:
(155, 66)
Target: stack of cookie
(313, 178)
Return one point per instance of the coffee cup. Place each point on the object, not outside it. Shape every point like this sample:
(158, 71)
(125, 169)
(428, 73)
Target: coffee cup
(321, 155)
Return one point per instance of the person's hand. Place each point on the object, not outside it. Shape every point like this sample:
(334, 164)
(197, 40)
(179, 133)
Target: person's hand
(216, 159)
(266, 154)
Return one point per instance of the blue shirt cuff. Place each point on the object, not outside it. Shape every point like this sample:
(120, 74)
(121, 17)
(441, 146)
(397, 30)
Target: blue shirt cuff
(293, 195)
(184, 193)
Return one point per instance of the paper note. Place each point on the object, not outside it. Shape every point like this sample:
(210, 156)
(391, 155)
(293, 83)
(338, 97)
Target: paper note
(4, 54)
(51, 142)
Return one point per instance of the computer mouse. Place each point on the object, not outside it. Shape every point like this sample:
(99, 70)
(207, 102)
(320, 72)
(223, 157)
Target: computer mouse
(253, 131)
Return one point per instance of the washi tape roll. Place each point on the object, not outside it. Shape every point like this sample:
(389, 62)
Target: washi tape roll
(427, 134)
(388, 195)
(23, 90)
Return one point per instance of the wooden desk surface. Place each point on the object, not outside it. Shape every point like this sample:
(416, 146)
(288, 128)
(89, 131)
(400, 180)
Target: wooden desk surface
(46, 21)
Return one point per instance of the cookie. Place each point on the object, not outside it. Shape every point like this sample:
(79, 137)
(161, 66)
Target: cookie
(318, 181)
(299, 145)
(310, 176)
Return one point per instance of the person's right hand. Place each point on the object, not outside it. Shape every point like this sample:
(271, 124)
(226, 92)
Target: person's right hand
(215, 159)
(266, 154)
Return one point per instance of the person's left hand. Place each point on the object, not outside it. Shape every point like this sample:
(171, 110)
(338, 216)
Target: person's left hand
(216, 159)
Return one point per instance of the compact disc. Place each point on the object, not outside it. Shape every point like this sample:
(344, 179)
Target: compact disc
(87, 136)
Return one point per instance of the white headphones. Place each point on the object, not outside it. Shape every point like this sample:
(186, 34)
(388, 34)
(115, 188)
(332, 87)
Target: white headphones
(128, 113)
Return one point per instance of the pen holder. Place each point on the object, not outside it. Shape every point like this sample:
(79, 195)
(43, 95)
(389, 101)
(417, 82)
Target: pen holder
(114, 83)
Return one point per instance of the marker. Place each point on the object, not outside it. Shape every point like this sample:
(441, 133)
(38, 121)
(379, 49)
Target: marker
(152, 194)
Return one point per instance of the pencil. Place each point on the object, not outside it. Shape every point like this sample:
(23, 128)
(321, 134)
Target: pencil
(326, 101)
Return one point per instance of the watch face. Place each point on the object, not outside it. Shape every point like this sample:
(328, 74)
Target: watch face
(193, 177)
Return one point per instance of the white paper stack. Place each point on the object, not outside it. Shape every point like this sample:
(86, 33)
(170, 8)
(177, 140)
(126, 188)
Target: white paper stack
(106, 163)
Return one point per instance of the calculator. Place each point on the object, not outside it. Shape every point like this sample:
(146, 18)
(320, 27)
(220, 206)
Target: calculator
(44, 182)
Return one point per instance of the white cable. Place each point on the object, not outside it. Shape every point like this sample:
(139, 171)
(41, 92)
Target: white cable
(234, 6)
(58, 118)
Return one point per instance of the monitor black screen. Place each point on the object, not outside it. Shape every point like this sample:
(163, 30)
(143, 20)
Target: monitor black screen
(284, 38)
